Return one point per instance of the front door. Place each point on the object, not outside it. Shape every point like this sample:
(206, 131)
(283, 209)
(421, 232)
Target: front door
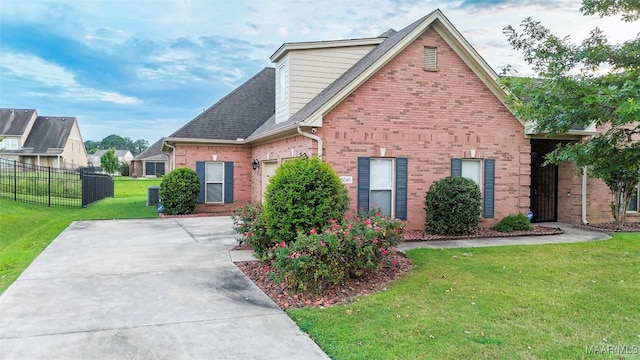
(544, 189)
(268, 169)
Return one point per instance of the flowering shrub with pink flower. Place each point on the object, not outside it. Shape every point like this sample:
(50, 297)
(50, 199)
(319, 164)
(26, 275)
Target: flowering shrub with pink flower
(249, 223)
(345, 249)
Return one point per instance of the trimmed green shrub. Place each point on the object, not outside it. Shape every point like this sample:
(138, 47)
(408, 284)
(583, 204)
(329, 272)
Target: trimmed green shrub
(179, 191)
(124, 168)
(348, 249)
(249, 222)
(511, 223)
(301, 195)
(453, 206)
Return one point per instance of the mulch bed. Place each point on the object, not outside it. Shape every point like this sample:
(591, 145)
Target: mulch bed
(611, 227)
(258, 272)
(483, 233)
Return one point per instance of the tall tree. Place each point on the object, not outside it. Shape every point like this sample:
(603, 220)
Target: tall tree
(580, 84)
(139, 146)
(109, 161)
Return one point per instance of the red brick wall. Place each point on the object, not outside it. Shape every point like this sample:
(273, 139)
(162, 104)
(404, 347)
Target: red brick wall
(429, 117)
(187, 155)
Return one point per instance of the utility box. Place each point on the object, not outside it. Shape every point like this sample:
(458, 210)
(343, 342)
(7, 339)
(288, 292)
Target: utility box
(153, 195)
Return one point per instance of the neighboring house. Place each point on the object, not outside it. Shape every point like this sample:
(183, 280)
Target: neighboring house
(392, 115)
(151, 162)
(41, 140)
(122, 155)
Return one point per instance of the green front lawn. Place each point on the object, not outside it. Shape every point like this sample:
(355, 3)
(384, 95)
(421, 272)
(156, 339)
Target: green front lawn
(26, 229)
(514, 302)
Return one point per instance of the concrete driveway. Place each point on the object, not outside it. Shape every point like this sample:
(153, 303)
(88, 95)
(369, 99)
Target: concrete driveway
(144, 289)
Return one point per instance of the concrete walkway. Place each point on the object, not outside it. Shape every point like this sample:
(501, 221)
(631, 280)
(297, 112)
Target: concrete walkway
(144, 289)
(571, 235)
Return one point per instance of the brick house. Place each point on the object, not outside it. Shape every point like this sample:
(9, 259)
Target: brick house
(391, 114)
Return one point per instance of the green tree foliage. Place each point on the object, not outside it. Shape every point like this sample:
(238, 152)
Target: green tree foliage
(109, 161)
(453, 206)
(117, 142)
(179, 191)
(580, 84)
(301, 195)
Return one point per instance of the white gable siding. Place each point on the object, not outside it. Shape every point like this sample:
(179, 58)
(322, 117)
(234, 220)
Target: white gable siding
(311, 71)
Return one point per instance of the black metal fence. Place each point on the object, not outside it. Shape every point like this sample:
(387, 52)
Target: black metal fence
(51, 186)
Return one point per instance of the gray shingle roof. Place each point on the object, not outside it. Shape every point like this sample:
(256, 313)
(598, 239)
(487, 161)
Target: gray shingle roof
(14, 121)
(49, 135)
(153, 152)
(345, 79)
(120, 153)
(238, 114)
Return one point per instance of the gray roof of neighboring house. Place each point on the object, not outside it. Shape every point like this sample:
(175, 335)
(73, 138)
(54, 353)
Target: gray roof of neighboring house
(153, 153)
(238, 114)
(48, 135)
(393, 38)
(118, 153)
(15, 121)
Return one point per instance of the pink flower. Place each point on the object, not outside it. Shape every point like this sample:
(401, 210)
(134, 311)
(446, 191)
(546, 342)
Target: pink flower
(283, 244)
(368, 222)
(312, 231)
(322, 243)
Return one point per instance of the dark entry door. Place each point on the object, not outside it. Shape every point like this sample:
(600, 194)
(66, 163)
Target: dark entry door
(544, 189)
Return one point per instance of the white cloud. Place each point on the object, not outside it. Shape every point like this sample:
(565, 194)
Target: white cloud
(34, 69)
(283, 31)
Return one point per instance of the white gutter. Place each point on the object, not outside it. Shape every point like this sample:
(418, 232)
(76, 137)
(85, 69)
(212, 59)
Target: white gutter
(173, 154)
(584, 196)
(314, 137)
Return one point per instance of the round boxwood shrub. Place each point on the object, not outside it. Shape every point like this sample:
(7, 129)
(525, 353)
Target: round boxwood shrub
(303, 194)
(453, 206)
(179, 191)
(511, 223)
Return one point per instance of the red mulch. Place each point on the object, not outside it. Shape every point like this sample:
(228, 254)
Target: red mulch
(258, 272)
(482, 233)
(611, 227)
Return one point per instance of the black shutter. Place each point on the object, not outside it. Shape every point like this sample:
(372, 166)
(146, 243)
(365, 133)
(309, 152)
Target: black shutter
(456, 167)
(401, 188)
(228, 182)
(200, 169)
(363, 183)
(489, 187)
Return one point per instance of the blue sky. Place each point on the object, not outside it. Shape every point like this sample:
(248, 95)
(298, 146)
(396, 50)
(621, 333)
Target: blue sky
(143, 68)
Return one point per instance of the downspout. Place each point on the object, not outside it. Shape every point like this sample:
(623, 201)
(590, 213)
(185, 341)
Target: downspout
(314, 137)
(173, 155)
(584, 196)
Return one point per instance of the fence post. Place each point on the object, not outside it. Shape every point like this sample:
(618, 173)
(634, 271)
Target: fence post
(15, 180)
(49, 186)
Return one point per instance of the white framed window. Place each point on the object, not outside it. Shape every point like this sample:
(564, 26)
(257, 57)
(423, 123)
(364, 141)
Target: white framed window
(9, 144)
(634, 203)
(55, 162)
(214, 182)
(472, 169)
(381, 185)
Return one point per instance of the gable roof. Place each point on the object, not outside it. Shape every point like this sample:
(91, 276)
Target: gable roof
(153, 153)
(15, 121)
(311, 114)
(236, 115)
(49, 135)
